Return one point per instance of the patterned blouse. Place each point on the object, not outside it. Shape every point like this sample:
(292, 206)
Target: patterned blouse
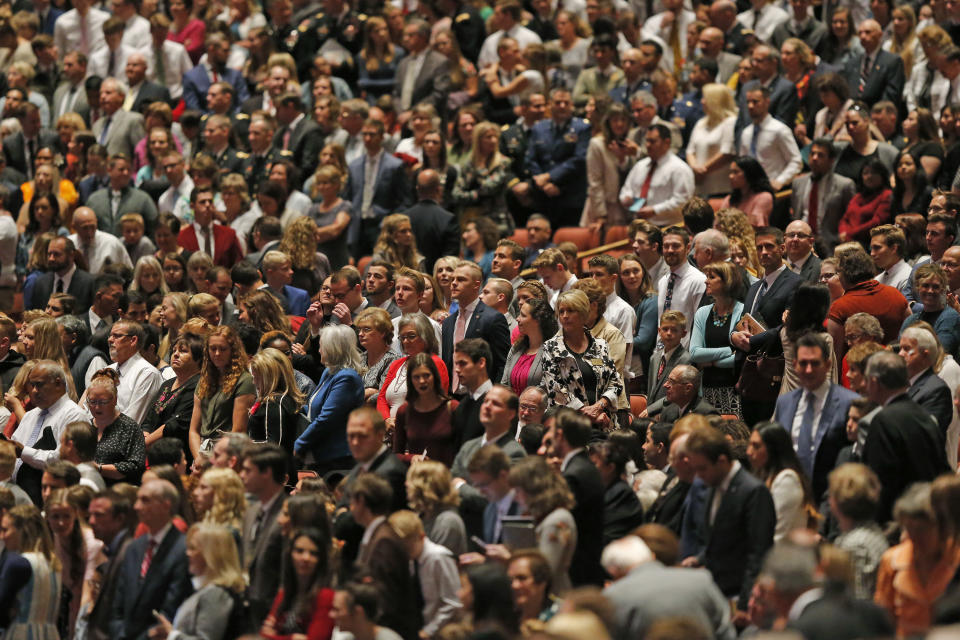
(484, 189)
(564, 381)
(122, 444)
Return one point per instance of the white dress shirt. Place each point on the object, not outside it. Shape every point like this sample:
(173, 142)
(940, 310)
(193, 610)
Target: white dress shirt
(820, 399)
(136, 34)
(671, 186)
(620, 314)
(177, 199)
(439, 582)
(770, 18)
(57, 417)
(654, 27)
(554, 294)
(777, 151)
(687, 291)
(96, 322)
(68, 36)
(897, 276)
(139, 382)
(66, 278)
(176, 63)
(201, 241)
(104, 249)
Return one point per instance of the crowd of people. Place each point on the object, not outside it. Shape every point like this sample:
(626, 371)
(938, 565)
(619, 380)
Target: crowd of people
(291, 346)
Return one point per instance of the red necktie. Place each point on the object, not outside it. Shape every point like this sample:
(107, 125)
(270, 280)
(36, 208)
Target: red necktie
(813, 209)
(147, 559)
(645, 189)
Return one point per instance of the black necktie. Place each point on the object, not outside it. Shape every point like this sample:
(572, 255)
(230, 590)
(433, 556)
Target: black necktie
(59, 285)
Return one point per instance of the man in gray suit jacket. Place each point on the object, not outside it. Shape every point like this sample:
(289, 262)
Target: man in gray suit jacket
(422, 76)
(118, 130)
(833, 192)
(131, 200)
(672, 329)
(71, 94)
(798, 241)
(264, 471)
(644, 591)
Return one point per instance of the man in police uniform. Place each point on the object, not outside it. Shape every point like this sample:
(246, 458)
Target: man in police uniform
(556, 161)
(221, 101)
(737, 38)
(688, 108)
(262, 152)
(337, 20)
(468, 26)
(514, 137)
(216, 142)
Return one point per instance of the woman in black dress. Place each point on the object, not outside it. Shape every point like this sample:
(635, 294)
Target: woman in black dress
(173, 404)
(275, 412)
(121, 452)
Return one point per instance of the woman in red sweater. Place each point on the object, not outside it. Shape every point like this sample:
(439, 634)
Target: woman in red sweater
(303, 603)
(425, 421)
(870, 206)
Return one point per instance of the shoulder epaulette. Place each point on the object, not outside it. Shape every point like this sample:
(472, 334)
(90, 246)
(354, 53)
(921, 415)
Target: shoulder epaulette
(462, 17)
(243, 155)
(242, 116)
(505, 127)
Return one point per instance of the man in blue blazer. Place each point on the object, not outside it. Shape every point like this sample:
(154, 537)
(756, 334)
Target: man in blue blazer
(389, 193)
(48, 15)
(278, 272)
(153, 574)
(489, 468)
(479, 321)
(815, 414)
(198, 80)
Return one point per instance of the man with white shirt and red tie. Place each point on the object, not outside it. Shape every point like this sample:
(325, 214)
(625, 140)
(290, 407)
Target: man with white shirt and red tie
(658, 185)
(820, 197)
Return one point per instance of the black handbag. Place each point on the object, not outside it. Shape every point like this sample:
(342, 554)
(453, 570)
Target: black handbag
(762, 372)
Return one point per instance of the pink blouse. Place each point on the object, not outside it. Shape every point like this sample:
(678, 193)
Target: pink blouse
(757, 207)
(521, 372)
(192, 37)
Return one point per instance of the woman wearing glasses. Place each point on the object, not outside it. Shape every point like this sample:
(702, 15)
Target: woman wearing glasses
(121, 450)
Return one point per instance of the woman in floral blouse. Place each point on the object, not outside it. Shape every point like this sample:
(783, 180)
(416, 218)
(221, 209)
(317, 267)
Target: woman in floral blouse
(578, 371)
(482, 183)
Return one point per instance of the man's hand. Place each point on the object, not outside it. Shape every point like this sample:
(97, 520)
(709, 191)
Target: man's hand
(542, 180)
(741, 340)
(646, 212)
(342, 313)
(551, 190)
(690, 562)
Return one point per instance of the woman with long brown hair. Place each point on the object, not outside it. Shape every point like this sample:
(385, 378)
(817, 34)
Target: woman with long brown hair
(610, 156)
(481, 184)
(261, 309)
(424, 423)
(225, 391)
(378, 60)
(41, 341)
(397, 244)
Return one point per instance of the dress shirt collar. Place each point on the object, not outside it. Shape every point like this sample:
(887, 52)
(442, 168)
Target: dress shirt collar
(682, 270)
(132, 363)
(95, 320)
(567, 458)
(725, 485)
(158, 537)
(669, 354)
(772, 277)
(296, 121)
(61, 402)
(896, 267)
(803, 600)
(67, 278)
(503, 504)
(484, 440)
(913, 379)
(802, 261)
(468, 310)
(482, 389)
(820, 393)
(266, 506)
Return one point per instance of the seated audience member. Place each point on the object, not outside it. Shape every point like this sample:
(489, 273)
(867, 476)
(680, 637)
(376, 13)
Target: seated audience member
(682, 396)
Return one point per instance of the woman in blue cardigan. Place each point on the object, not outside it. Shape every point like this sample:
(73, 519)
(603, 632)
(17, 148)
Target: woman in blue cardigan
(710, 340)
(323, 444)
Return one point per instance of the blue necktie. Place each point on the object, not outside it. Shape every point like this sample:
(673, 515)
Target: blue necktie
(805, 437)
(106, 128)
(756, 301)
(753, 139)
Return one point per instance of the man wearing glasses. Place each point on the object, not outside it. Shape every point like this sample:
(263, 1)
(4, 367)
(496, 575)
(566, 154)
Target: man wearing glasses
(37, 437)
(798, 241)
(940, 235)
(139, 380)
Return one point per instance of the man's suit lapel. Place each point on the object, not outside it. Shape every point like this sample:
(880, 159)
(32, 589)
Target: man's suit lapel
(830, 408)
(159, 555)
(473, 320)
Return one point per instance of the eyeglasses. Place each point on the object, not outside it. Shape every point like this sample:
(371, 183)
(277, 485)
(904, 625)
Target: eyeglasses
(98, 403)
(797, 234)
(826, 276)
(409, 337)
(117, 336)
(529, 407)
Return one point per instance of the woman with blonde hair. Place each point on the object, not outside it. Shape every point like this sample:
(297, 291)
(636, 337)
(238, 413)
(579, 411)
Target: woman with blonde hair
(734, 224)
(41, 341)
(23, 531)
(375, 332)
(712, 145)
(220, 498)
(397, 244)
(464, 82)
(610, 156)
(481, 185)
(213, 560)
(274, 415)
(310, 267)
(174, 314)
(574, 41)
(262, 310)
(148, 277)
(377, 62)
(331, 214)
(225, 391)
(903, 40)
(443, 270)
(431, 494)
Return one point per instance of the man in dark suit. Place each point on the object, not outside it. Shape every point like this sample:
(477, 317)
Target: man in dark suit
(571, 432)
(470, 361)
(769, 297)
(15, 573)
(62, 276)
(389, 192)
(109, 519)
(20, 149)
(422, 75)
(799, 241)
(815, 414)
(365, 432)
(489, 470)
(739, 518)
(669, 507)
(198, 80)
(672, 329)
(48, 14)
(904, 444)
(118, 130)
(153, 575)
(874, 74)
(681, 397)
(216, 142)
(298, 134)
(263, 471)
(436, 229)
(142, 92)
(919, 349)
(71, 95)
(800, 25)
(473, 319)
(226, 250)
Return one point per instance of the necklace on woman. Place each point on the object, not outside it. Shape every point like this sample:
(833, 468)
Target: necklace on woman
(718, 319)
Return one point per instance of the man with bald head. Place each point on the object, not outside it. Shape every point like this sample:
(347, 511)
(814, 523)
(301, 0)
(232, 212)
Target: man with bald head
(737, 38)
(636, 64)
(951, 265)
(799, 240)
(99, 248)
(711, 48)
(436, 229)
(142, 92)
(874, 74)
